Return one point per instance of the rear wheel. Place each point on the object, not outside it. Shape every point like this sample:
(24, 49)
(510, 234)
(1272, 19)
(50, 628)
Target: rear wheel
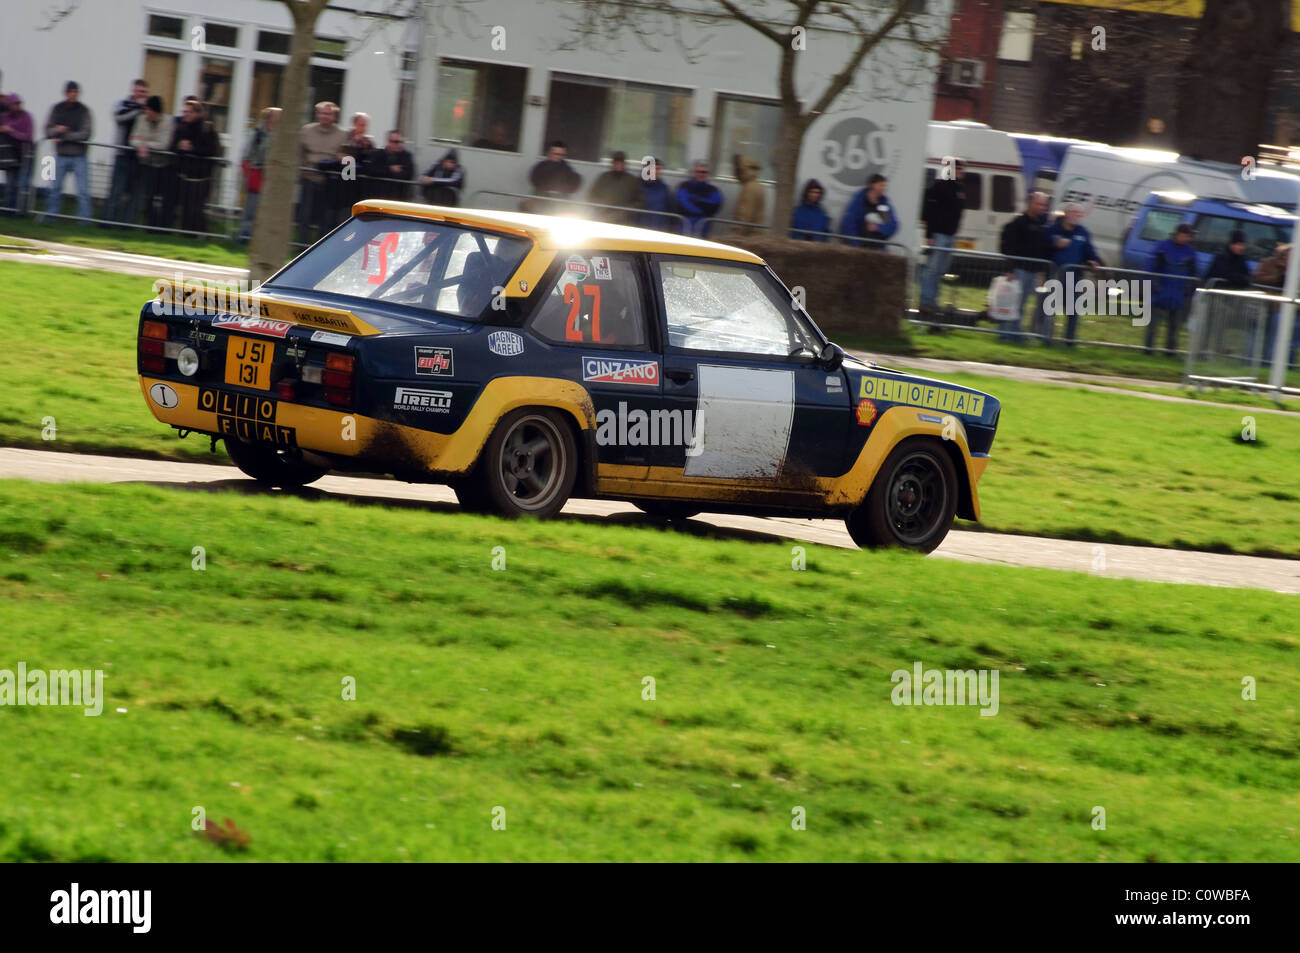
(912, 501)
(472, 492)
(266, 464)
(664, 510)
(530, 463)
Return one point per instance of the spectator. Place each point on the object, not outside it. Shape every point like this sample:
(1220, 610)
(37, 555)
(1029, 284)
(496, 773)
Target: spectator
(941, 210)
(616, 186)
(396, 165)
(124, 115)
(657, 197)
(1229, 266)
(498, 137)
(552, 177)
(444, 180)
(1072, 249)
(870, 216)
(809, 216)
(1029, 250)
(698, 198)
(351, 187)
(253, 167)
(751, 203)
(194, 141)
(16, 141)
(318, 142)
(151, 137)
(69, 126)
(1272, 272)
(1174, 257)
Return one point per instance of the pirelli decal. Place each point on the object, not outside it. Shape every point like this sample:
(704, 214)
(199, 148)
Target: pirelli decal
(247, 417)
(922, 395)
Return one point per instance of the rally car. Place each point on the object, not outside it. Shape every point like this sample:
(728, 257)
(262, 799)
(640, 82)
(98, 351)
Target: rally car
(527, 359)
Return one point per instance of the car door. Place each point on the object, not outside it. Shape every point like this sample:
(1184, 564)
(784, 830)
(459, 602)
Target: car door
(742, 375)
(594, 317)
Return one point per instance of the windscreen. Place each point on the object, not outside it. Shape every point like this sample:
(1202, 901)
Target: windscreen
(432, 266)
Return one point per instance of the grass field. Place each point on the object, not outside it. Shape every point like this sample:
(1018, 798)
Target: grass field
(134, 240)
(1066, 462)
(523, 689)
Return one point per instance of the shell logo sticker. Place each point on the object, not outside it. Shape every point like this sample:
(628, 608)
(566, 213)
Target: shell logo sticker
(163, 396)
(523, 286)
(866, 413)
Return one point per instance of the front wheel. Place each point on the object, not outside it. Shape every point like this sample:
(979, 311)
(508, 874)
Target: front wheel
(266, 464)
(530, 464)
(912, 501)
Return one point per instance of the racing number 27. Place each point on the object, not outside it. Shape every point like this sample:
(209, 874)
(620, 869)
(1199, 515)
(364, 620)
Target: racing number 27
(573, 324)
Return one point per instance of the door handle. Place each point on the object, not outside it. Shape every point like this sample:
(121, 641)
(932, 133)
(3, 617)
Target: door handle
(679, 376)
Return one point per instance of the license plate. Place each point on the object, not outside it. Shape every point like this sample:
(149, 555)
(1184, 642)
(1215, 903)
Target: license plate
(248, 362)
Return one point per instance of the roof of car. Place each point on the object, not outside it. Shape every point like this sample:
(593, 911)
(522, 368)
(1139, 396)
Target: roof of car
(563, 232)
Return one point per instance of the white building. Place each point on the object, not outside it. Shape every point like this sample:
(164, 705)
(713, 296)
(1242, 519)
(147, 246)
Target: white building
(449, 73)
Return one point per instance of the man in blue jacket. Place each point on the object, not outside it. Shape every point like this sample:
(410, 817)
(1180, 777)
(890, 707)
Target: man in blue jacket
(1173, 257)
(870, 215)
(657, 197)
(1072, 250)
(698, 198)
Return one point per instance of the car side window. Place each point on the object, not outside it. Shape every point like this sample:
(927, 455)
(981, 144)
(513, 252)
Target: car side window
(596, 302)
(717, 306)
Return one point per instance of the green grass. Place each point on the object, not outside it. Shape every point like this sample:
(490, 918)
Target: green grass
(135, 240)
(1066, 462)
(523, 689)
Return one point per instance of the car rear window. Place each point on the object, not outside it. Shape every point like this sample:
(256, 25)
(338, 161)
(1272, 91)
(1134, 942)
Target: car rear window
(431, 266)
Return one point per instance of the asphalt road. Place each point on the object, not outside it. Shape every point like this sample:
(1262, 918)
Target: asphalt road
(1129, 562)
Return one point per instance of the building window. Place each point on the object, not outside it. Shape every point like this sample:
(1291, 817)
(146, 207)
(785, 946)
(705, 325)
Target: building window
(219, 34)
(747, 127)
(1016, 44)
(269, 42)
(324, 85)
(479, 104)
(597, 117)
(328, 49)
(214, 90)
(160, 72)
(169, 28)
(266, 89)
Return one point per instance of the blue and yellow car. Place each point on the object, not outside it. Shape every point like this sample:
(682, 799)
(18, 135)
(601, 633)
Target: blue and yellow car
(527, 359)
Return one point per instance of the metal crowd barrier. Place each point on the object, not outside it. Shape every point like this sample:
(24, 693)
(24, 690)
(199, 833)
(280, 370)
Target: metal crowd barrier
(1073, 304)
(1233, 337)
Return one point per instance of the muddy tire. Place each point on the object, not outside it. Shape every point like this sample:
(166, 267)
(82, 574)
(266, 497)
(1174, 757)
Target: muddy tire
(530, 464)
(913, 500)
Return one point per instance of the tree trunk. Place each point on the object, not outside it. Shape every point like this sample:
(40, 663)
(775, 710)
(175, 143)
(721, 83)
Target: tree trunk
(1224, 83)
(273, 227)
(785, 166)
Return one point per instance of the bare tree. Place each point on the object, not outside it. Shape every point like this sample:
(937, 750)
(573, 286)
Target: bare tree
(786, 24)
(1224, 82)
(269, 247)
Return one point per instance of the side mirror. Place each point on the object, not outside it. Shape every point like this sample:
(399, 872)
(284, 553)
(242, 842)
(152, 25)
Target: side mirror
(832, 357)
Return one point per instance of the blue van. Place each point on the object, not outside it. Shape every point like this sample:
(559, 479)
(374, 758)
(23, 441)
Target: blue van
(1214, 220)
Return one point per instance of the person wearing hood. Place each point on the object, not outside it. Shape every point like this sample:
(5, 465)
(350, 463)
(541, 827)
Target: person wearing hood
(698, 198)
(751, 203)
(657, 197)
(1230, 266)
(444, 180)
(617, 187)
(809, 216)
(70, 126)
(16, 138)
(870, 215)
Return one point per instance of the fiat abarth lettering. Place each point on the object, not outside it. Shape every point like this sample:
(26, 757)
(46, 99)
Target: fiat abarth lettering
(527, 359)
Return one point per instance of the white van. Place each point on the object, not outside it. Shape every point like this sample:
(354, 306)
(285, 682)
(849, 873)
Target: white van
(995, 190)
(1110, 184)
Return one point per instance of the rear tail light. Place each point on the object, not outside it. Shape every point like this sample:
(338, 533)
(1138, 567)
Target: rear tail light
(285, 390)
(154, 365)
(154, 329)
(153, 344)
(337, 379)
